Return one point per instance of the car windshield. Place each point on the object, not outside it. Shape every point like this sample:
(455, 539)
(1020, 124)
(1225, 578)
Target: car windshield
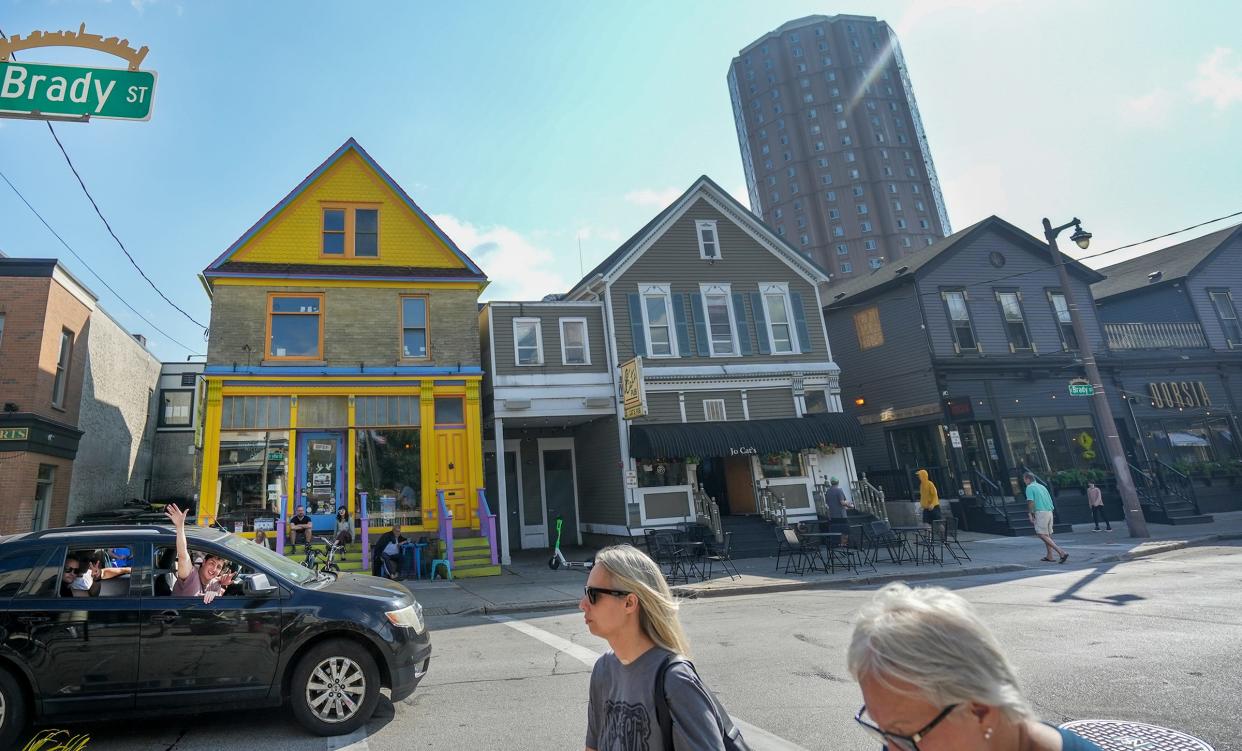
(286, 568)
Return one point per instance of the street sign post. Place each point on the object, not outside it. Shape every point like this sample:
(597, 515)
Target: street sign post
(1081, 387)
(39, 89)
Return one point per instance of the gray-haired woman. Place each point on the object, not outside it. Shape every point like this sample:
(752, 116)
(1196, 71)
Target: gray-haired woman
(934, 677)
(628, 603)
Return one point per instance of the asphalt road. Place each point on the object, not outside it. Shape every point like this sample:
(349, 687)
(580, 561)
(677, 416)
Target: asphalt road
(1155, 640)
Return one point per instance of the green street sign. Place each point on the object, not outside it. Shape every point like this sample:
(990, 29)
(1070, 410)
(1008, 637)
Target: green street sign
(1081, 389)
(39, 89)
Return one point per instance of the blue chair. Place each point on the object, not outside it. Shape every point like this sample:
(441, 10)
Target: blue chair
(435, 566)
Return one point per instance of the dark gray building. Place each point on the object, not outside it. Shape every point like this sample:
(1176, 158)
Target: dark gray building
(835, 155)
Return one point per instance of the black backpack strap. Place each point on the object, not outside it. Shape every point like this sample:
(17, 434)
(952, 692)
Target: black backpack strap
(664, 718)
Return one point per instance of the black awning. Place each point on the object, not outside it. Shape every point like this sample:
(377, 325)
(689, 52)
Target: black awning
(702, 439)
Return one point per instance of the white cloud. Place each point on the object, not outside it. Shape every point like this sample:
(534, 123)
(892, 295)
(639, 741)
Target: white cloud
(1151, 109)
(519, 269)
(1218, 79)
(653, 197)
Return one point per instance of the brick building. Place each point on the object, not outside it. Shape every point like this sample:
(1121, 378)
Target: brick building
(75, 392)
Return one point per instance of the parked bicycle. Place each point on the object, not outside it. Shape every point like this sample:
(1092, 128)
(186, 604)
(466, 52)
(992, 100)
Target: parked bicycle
(324, 560)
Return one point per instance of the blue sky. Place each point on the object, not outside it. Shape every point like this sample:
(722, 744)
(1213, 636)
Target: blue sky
(522, 127)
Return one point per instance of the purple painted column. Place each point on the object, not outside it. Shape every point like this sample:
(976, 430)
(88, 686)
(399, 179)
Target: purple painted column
(280, 525)
(366, 526)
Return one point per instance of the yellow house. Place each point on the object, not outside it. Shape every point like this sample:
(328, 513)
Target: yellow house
(343, 359)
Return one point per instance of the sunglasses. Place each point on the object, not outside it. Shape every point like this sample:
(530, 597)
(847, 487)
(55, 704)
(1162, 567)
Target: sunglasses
(593, 592)
(901, 742)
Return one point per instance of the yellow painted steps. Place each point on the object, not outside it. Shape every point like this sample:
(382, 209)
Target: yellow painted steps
(472, 558)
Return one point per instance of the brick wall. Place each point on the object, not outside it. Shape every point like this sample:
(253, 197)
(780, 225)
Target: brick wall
(361, 324)
(18, 472)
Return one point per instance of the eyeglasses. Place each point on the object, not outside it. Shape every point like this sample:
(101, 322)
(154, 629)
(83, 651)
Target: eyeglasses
(902, 742)
(593, 592)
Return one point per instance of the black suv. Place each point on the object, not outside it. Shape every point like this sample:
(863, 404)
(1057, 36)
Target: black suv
(90, 627)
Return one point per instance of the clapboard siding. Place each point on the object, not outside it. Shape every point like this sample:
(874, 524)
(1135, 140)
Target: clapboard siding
(767, 404)
(549, 316)
(1167, 303)
(674, 259)
(662, 406)
(695, 409)
(1222, 271)
(967, 265)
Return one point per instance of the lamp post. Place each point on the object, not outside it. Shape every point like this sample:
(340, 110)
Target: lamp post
(1099, 401)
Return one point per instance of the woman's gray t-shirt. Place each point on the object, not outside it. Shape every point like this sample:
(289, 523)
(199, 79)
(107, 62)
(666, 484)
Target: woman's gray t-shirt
(621, 715)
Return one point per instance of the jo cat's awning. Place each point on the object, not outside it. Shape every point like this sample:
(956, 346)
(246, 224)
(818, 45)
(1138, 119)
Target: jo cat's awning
(703, 439)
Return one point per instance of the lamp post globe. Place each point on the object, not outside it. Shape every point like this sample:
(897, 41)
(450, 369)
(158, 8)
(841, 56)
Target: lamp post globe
(1081, 237)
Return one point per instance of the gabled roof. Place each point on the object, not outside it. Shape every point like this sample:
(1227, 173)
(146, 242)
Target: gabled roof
(703, 185)
(907, 267)
(1174, 262)
(349, 146)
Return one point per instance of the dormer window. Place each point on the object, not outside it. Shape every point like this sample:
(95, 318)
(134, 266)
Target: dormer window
(350, 231)
(709, 241)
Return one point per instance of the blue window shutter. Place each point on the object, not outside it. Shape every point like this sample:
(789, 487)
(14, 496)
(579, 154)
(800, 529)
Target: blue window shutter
(636, 325)
(804, 336)
(679, 322)
(743, 324)
(700, 326)
(761, 324)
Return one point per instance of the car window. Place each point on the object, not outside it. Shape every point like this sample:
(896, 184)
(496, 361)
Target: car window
(15, 568)
(286, 568)
(93, 572)
(220, 566)
(48, 576)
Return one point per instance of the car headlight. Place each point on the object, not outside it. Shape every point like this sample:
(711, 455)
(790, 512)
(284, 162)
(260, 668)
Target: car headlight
(410, 616)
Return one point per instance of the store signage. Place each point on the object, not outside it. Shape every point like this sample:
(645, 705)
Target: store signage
(265, 525)
(14, 434)
(321, 479)
(955, 438)
(1174, 394)
(1081, 387)
(633, 389)
(631, 479)
(43, 91)
(743, 451)
(959, 408)
(890, 414)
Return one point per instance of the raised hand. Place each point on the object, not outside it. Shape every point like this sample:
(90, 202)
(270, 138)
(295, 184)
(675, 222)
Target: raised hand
(176, 515)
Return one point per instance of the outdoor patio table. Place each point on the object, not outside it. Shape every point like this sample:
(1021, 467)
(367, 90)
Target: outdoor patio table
(828, 539)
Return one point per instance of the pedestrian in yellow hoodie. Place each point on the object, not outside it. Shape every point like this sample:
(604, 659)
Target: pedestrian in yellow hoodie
(929, 499)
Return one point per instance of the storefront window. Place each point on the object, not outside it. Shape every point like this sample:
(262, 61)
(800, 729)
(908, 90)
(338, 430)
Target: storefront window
(1084, 442)
(1223, 441)
(252, 476)
(655, 473)
(1024, 445)
(784, 464)
(1056, 447)
(389, 469)
(1182, 443)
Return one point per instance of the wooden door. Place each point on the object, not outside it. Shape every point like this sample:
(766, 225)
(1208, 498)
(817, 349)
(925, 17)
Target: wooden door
(740, 485)
(452, 463)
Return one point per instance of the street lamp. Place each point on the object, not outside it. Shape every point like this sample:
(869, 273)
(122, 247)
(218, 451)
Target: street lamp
(1099, 401)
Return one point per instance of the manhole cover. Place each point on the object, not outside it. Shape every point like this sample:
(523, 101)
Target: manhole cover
(1115, 735)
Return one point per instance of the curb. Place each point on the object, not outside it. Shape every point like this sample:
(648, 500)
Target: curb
(1169, 547)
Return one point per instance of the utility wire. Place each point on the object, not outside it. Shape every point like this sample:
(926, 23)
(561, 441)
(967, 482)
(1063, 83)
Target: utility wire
(1161, 237)
(88, 267)
(91, 198)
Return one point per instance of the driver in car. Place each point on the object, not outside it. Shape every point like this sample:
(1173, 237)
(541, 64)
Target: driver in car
(209, 578)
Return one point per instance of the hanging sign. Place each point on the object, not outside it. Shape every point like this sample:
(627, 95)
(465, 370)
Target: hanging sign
(633, 389)
(47, 92)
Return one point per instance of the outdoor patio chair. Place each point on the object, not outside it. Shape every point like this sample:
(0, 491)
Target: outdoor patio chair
(850, 551)
(673, 556)
(930, 544)
(718, 552)
(951, 542)
(880, 535)
(782, 546)
(803, 553)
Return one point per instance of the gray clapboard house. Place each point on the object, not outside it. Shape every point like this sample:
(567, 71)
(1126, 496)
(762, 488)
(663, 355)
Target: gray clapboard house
(725, 316)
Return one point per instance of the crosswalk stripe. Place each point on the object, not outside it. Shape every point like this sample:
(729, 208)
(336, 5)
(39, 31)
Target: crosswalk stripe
(756, 737)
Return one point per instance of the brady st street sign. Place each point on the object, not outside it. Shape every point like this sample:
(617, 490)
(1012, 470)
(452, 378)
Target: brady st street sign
(41, 89)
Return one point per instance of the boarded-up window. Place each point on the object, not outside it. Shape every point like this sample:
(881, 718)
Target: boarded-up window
(867, 326)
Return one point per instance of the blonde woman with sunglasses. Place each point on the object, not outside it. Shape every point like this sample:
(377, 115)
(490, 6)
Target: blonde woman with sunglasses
(627, 603)
(934, 678)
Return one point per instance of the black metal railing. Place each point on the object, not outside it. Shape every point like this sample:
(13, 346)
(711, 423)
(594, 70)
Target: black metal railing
(1147, 488)
(990, 492)
(1169, 483)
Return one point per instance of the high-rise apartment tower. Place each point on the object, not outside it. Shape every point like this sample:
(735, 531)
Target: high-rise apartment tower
(835, 155)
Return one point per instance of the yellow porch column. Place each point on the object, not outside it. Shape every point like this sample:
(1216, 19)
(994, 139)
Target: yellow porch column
(292, 492)
(427, 450)
(474, 444)
(350, 503)
(207, 501)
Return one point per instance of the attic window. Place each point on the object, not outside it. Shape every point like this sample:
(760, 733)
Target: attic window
(350, 231)
(709, 241)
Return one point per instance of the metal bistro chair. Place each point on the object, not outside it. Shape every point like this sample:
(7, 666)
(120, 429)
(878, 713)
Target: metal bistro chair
(719, 553)
(856, 543)
(847, 553)
(802, 553)
(880, 535)
(782, 546)
(667, 553)
(951, 541)
(931, 543)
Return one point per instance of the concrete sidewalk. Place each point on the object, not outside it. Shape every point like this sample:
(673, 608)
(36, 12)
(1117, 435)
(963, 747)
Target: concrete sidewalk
(528, 584)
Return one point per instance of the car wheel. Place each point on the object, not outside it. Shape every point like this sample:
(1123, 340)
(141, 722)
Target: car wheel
(13, 713)
(335, 688)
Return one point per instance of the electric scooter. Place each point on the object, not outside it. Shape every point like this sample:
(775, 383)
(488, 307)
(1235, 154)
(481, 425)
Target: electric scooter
(558, 558)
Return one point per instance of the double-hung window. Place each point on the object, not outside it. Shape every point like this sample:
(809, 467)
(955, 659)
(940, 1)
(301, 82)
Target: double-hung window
(350, 232)
(527, 341)
(413, 327)
(721, 329)
(61, 384)
(574, 346)
(295, 326)
(1060, 311)
(779, 314)
(959, 320)
(1010, 302)
(658, 320)
(1228, 315)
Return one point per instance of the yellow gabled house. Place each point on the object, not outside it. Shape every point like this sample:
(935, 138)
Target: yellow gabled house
(343, 359)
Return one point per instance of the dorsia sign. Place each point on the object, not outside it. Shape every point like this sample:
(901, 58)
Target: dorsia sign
(58, 92)
(1177, 395)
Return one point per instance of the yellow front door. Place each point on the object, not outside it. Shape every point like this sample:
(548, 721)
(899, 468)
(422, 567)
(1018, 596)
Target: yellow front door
(452, 465)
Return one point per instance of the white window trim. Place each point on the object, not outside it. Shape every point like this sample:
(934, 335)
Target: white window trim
(699, 225)
(586, 342)
(726, 290)
(648, 290)
(779, 288)
(724, 410)
(517, 360)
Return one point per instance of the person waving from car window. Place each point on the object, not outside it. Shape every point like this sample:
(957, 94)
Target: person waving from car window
(209, 578)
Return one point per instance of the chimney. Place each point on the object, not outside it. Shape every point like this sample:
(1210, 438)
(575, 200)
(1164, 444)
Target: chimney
(140, 339)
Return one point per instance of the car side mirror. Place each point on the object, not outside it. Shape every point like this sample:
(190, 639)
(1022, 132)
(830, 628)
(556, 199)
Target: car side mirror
(258, 585)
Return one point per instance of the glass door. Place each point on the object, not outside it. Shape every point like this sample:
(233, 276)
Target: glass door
(320, 468)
